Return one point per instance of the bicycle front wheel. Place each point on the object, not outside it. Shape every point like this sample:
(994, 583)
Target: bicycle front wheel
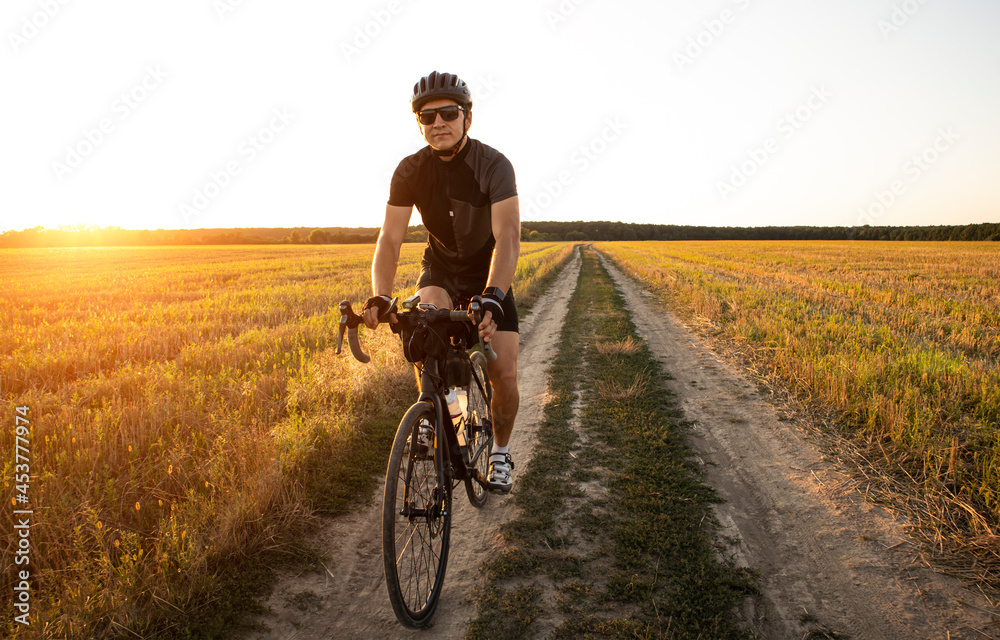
(479, 429)
(416, 518)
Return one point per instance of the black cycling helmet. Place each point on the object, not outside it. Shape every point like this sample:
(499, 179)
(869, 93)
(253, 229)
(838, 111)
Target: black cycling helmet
(440, 85)
(435, 86)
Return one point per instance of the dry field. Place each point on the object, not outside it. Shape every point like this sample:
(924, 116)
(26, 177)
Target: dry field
(181, 401)
(896, 344)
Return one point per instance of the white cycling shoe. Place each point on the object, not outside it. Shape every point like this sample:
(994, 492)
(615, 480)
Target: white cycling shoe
(499, 479)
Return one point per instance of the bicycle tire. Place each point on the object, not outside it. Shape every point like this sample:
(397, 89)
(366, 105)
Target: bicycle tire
(415, 549)
(479, 428)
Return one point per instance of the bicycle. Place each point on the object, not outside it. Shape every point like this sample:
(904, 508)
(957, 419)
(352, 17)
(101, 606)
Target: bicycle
(424, 468)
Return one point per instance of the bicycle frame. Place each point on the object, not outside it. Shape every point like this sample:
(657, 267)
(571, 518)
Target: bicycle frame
(431, 391)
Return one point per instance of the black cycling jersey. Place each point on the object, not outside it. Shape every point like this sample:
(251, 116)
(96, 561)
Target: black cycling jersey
(454, 201)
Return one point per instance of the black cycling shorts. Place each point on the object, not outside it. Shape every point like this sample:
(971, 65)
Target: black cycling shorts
(458, 286)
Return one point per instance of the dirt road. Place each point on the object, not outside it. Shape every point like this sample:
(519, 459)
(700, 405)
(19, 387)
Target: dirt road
(828, 560)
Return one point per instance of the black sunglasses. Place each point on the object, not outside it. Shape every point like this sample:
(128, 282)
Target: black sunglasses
(448, 114)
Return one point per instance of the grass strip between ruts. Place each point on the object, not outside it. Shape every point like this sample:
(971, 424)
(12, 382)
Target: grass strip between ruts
(615, 536)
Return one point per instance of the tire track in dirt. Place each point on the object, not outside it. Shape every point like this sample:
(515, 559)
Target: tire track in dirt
(822, 550)
(349, 600)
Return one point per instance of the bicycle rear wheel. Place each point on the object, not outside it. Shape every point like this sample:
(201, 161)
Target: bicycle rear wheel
(479, 428)
(416, 521)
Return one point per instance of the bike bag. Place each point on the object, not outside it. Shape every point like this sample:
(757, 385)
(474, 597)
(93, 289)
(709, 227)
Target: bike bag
(413, 342)
(457, 369)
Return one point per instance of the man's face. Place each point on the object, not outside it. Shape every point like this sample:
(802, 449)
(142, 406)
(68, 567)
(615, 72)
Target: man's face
(440, 134)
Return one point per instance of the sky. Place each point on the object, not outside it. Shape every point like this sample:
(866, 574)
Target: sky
(257, 113)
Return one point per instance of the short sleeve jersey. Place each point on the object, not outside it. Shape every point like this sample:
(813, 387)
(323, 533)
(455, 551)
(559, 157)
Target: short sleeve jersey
(454, 200)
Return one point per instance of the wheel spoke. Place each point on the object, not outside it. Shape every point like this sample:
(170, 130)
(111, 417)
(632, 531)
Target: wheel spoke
(405, 546)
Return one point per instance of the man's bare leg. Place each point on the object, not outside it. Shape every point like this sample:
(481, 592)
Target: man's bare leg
(503, 376)
(436, 296)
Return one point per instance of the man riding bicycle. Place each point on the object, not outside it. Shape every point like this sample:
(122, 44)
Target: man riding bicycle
(467, 198)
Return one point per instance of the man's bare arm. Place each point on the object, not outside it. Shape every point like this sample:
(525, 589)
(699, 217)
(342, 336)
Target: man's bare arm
(506, 219)
(390, 239)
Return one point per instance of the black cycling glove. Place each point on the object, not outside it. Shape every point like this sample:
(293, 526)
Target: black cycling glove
(492, 301)
(382, 303)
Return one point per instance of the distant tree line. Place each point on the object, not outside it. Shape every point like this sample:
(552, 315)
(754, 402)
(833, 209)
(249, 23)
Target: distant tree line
(588, 231)
(90, 236)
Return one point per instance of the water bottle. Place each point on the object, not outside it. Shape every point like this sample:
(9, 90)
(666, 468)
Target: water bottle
(457, 414)
(463, 405)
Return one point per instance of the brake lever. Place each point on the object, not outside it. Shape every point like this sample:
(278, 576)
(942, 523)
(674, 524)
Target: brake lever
(391, 310)
(349, 322)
